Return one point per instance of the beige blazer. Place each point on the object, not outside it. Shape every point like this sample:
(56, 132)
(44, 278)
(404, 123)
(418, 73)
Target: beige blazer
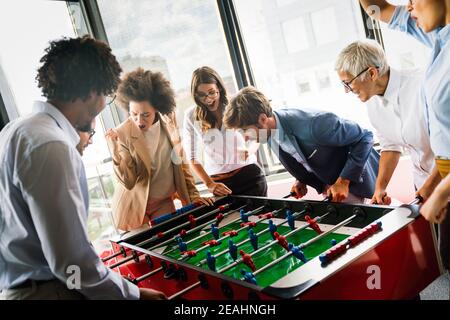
(134, 172)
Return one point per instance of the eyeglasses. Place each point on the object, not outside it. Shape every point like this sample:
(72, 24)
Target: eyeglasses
(91, 133)
(212, 95)
(347, 83)
(110, 100)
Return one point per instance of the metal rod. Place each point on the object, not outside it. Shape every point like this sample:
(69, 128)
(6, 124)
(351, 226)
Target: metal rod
(292, 193)
(112, 256)
(304, 245)
(227, 236)
(176, 214)
(239, 260)
(196, 228)
(295, 215)
(147, 275)
(179, 293)
(143, 243)
(417, 200)
(121, 262)
(204, 235)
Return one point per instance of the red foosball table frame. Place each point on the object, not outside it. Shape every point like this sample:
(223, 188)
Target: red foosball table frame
(403, 255)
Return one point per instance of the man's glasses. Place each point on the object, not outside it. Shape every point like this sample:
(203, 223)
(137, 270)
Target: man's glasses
(91, 133)
(212, 95)
(347, 83)
(110, 99)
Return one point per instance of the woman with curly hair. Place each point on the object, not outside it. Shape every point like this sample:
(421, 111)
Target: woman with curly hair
(146, 153)
(228, 166)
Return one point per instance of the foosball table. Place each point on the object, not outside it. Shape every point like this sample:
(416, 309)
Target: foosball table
(260, 248)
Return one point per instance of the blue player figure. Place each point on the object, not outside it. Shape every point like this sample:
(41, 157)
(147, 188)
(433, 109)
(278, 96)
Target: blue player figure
(290, 219)
(253, 239)
(296, 252)
(232, 249)
(333, 242)
(244, 216)
(211, 260)
(272, 228)
(215, 231)
(248, 276)
(181, 244)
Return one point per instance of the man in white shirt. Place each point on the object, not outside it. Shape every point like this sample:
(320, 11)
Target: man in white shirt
(395, 111)
(44, 247)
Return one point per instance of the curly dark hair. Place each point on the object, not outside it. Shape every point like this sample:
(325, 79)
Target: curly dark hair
(74, 67)
(145, 85)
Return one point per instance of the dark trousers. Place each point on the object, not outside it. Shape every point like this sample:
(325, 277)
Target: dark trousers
(249, 181)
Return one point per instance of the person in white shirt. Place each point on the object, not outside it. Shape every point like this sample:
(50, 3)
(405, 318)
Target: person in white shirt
(45, 252)
(229, 164)
(395, 111)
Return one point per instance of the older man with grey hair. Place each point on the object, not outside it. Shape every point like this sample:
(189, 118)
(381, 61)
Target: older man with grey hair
(393, 100)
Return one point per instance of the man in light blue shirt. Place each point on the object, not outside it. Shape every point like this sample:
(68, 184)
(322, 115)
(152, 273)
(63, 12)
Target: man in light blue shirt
(44, 247)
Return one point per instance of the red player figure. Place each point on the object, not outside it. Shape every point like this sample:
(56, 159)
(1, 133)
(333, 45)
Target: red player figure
(313, 224)
(219, 218)
(211, 243)
(281, 240)
(247, 259)
(160, 234)
(249, 224)
(182, 233)
(231, 233)
(267, 215)
(192, 221)
(190, 253)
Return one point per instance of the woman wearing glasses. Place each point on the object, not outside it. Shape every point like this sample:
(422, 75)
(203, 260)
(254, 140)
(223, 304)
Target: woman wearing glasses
(228, 165)
(395, 111)
(147, 154)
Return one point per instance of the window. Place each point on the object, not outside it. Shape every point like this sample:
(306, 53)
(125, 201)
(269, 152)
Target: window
(303, 85)
(24, 45)
(281, 3)
(328, 32)
(302, 76)
(174, 37)
(403, 51)
(295, 35)
(19, 61)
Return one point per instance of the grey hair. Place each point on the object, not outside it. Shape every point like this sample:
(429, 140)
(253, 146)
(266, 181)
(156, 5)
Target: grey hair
(359, 55)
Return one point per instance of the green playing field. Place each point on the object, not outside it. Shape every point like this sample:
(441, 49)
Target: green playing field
(262, 258)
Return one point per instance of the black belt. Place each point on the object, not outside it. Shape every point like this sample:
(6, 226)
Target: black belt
(29, 282)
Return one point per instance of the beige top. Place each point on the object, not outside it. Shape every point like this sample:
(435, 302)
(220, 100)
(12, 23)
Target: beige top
(162, 184)
(133, 169)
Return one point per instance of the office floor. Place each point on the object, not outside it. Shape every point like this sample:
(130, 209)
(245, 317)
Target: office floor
(437, 290)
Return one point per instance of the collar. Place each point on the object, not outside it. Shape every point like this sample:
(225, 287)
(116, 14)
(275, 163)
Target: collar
(61, 120)
(443, 35)
(279, 135)
(393, 87)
